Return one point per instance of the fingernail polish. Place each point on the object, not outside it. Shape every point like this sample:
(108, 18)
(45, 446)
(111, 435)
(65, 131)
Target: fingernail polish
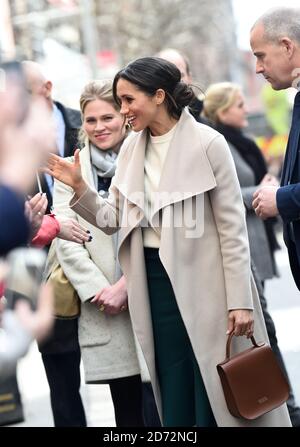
(90, 239)
(88, 231)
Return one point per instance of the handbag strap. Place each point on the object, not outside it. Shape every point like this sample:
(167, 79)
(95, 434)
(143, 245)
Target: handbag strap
(228, 344)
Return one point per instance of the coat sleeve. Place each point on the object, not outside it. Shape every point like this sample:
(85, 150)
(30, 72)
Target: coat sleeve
(47, 232)
(103, 213)
(229, 212)
(288, 202)
(74, 258)
(247, 193)
(13, 223)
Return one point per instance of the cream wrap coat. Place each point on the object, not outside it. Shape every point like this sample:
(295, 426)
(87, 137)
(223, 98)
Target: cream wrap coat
(208, 263)
(106, 341)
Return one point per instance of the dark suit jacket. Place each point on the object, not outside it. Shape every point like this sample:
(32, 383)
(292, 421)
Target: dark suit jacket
(288, 198)
(14, 227)
(72, 119)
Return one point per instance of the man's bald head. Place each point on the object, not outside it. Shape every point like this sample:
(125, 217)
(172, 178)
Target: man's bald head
(37, 82)
(178, 59)
(280, 22)
(275, 42)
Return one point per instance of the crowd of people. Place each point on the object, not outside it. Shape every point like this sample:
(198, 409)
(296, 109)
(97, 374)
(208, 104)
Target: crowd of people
(158, 217)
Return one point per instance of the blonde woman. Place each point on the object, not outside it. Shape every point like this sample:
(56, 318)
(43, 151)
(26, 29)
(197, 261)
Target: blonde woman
(225, 107)
(105, 333)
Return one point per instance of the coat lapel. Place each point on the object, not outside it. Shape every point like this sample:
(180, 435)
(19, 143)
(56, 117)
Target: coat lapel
(187, 171)
(130, 184)
(183, 176)
(292, 146)
(293, 143)
(131, 179)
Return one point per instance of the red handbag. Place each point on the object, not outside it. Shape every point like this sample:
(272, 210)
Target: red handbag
(253, 382)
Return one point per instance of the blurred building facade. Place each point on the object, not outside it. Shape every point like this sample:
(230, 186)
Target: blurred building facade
(111, 33)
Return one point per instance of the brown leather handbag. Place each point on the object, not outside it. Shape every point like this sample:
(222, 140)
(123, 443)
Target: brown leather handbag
(252, 381)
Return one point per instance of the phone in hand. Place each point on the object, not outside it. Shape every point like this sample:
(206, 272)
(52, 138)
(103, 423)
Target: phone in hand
(39, 183)
(25, 274)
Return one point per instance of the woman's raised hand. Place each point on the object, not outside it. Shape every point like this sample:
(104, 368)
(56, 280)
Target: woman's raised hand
(64, 171)
(35, 209)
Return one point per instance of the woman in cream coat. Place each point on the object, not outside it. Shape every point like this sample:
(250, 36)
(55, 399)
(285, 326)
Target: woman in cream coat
(105, 336)
(205, 256)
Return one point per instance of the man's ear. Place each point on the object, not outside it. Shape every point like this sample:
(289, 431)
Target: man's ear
(48, 88)
(160, 96)
(288, 45)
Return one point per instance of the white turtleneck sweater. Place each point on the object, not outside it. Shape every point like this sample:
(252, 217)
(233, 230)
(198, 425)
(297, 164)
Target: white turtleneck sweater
(155, 156)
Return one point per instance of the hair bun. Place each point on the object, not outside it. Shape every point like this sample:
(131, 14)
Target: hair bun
(183, 95)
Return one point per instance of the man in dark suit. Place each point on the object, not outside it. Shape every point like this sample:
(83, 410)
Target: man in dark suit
(275, 41)
(67, 120)
(61, 352)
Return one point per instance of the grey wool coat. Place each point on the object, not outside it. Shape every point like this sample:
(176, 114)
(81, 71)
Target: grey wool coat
(207, 263)
(106, 341)
(258, 240)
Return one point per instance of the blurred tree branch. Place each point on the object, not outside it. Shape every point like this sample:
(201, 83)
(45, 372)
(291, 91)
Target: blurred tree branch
(203, 29)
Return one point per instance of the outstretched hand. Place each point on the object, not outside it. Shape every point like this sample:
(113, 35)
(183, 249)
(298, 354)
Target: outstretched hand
(65, 171)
